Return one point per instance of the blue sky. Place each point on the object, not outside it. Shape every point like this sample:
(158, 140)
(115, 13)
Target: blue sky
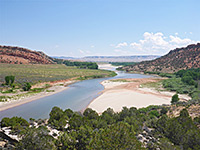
(99, 27)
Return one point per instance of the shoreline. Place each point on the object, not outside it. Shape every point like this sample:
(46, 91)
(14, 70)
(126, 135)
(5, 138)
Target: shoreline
(57, 88)
(117, 95)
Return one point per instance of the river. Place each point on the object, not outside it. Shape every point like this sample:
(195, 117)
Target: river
(77, 98)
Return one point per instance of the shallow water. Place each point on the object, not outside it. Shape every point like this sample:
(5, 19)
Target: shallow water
(77, 98)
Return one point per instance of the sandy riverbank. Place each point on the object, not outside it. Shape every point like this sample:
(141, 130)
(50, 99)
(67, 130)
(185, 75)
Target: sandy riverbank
(118, 94)
(56, 87)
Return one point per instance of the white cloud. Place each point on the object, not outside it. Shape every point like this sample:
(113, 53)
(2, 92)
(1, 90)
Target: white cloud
(157, 43)
(92, 46)
(179, 41)
(121, 45)
(136, 45)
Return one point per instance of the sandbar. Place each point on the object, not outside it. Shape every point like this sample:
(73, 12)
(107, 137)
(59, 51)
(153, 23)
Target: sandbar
(130, 94)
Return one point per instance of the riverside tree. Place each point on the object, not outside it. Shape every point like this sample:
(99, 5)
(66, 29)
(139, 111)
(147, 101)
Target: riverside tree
(10, 80)
(27, 86)
(175, 98)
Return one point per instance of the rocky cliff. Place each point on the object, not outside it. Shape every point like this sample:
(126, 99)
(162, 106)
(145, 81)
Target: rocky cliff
(18, 55)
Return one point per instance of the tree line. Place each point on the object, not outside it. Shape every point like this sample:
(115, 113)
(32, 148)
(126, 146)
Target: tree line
(81, 65)
(122, 63)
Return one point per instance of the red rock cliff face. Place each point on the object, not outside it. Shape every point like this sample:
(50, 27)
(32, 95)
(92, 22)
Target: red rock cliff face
(180, 58)
(17, 55)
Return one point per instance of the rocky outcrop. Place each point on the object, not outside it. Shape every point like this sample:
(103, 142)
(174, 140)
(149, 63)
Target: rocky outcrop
(180, 58)
(17, 55)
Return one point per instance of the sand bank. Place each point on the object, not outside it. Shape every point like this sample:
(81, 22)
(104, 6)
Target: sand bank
(130, 94)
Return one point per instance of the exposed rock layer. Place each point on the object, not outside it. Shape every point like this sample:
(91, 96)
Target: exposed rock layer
(17, 55)
(180, 58)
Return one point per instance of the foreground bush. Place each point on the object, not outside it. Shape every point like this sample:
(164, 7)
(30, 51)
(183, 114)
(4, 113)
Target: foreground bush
(110, 130)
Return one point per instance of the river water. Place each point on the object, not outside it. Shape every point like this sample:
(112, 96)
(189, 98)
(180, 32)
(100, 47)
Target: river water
(77, 98)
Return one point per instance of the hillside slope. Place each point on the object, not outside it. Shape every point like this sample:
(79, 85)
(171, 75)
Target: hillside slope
(180, 58)
(17, 55)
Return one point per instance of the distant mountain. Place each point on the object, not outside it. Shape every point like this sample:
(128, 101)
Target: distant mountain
(180, 58)
(111, 58)
(63, 57)
(18, 55)
(119, 58)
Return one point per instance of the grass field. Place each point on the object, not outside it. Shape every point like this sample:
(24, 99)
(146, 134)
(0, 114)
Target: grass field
(42, 73)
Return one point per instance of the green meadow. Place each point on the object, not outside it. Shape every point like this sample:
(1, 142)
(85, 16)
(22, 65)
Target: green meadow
(35, 73)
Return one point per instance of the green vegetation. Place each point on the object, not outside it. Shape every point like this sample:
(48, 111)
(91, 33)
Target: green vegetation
(157, 85)
(117, 136)
(14, 121)
(121, 80)
(175, 98)
(17, 124)
(58, 118)
(168, 75)
(184, 82)
(81, 65)
(36, 139)
(189, 76)
(122, 63)
(22, 95)
(44, 73)
(4, 98)
(94, 76)
(9, 91)
(181, 130)
(109, 130)
(9, 80)
(27, 86)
